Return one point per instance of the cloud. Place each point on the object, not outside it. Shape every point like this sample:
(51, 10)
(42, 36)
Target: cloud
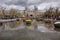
(42, 4)
(28, 2)
(17, 2)
(45, 6)
(15, 7)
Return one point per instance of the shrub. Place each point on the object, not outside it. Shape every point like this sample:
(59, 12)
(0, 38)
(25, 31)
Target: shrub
(39, 19)
(48, 22)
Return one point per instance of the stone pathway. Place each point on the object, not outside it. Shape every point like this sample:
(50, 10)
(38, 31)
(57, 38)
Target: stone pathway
(26, 34)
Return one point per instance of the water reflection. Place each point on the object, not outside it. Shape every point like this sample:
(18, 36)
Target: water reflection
(41, 27)
(21, 25)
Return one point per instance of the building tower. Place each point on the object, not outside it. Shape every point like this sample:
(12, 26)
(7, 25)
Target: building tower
(35, 10)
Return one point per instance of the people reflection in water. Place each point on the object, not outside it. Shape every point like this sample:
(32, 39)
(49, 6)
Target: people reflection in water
(35, 24)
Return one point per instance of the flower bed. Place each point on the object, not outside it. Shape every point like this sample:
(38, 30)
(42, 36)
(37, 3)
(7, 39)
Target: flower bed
(48, 22)
(28, 22)
(57, 24)
(39, 19)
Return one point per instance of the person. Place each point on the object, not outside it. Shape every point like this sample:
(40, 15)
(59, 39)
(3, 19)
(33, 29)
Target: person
(23, 18)
(35, 24)
(31, 17)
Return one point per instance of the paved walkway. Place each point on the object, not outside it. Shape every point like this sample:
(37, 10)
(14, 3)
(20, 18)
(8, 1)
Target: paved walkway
(26, 34)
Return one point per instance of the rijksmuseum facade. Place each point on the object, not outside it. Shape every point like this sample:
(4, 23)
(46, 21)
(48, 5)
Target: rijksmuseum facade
(34, 12)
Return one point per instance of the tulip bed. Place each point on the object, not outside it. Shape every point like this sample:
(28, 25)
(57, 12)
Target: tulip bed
(39, 19)
(57, 24)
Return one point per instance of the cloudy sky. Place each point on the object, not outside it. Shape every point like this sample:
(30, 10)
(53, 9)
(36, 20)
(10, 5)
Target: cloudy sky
(19, 4)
